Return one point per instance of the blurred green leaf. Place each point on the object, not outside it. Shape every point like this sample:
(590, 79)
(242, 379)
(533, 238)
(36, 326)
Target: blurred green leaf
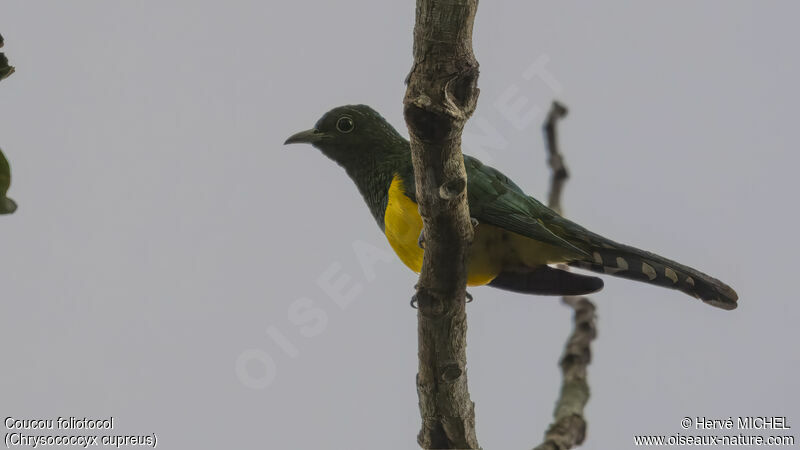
(7, 206)
(5, 69)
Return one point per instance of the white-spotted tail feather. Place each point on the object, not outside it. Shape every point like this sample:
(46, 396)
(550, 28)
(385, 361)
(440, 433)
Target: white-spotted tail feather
(640, 265)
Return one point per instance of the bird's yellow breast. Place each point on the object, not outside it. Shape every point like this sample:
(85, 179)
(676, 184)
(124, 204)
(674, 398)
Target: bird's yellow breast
(492, 250)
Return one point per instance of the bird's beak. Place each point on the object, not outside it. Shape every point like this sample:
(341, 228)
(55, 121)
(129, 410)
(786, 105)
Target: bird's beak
(307, 137)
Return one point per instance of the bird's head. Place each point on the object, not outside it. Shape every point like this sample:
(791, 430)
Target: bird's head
(350, 134)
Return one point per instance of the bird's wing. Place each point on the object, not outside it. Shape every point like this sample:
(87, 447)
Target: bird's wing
(495, 199)
(5, 175)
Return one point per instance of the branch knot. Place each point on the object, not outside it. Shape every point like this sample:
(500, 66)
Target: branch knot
(452, 188)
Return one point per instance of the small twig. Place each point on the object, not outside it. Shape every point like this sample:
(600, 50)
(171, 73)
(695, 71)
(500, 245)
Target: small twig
(555, 160)
(569, 427)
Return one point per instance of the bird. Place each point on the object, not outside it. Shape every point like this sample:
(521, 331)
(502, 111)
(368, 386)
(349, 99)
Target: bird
(7, 206)
(519, 243)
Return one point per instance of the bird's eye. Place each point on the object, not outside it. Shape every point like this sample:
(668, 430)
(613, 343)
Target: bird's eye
(345, 124)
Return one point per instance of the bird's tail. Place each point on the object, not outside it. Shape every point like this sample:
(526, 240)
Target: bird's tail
(628, 262)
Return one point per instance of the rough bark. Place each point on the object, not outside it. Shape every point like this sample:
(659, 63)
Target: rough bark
(441, 95)
(569, 426)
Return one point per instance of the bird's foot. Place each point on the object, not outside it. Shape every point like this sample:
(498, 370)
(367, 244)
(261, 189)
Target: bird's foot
(415, 303)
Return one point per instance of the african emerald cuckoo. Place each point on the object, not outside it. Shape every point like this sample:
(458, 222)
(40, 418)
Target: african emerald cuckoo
(516, 236)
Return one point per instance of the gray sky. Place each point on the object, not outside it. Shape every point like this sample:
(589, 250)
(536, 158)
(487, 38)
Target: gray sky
(164, 233)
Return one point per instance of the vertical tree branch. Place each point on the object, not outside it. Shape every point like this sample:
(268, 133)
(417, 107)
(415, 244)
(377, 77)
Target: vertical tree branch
(569, 427)
(441, 95)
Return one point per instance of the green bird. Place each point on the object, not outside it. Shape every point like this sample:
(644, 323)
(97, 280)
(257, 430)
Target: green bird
(517, 238)
(7, 206)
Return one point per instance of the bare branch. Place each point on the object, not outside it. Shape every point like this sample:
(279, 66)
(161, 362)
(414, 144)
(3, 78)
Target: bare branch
(441, 95)
(569, 427)
(559, 173)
